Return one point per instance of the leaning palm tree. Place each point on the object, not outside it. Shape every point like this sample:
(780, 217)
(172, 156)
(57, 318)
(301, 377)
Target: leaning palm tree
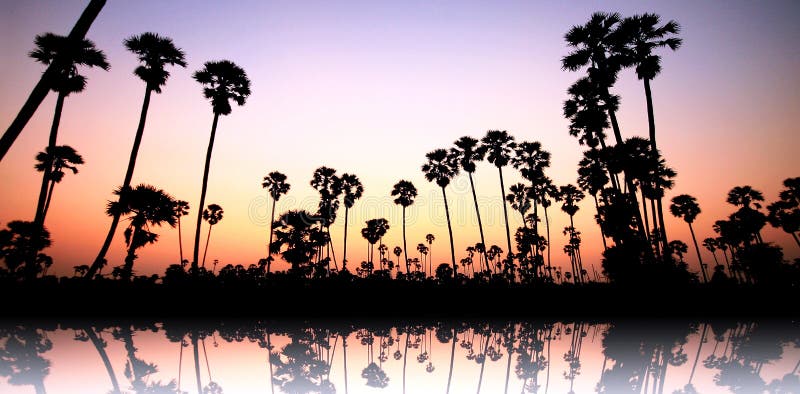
(213, 215)
(441, 168)
(686, 207)
(276, 183)
(49, 77)
(352, 189)
(56, 160)
(181, 209)
(68, 55)
(223, 81)
(405, 192)
(143, 206)
(497, 146)
(466, 153)
(155, 53)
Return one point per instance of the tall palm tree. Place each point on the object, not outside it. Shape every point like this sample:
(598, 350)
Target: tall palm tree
(429, 238)
(49, 78)
(441, 167)
(498, 145)
(404, 193)
(329, 186)
(686, 207)
(519, 198)
(181, 209)
(276, 183)
(212, 215)
(223, 81)
(352, 189)
(68, 54)
(466, 153)
(785, 213)
(155, 53)
(144, 206)
(56, 160)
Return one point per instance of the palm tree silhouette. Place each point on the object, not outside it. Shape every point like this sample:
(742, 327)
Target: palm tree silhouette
(397, 252)
(276, 183)
(430, 238)
(686, 207)
(571, 196)
(546, 192)
(223, 81)
(55, 161)
(298, 231)
(785, 213)
(743, 196)
(441, 167)
(18, 242)
(50, 77)
(466, 152)
(329, 187)
(52, 49)
(213, 215)
(519, 196)
(593, 178)
(181, 209)
(100, 345)
(375, 230)
(144, 205)
(352, 189)
(711, 245)
(497, 146)
(155, 53)
(405, 192)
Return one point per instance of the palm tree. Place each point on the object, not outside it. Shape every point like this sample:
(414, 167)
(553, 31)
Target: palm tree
(744, 196)
(329, 187)
(375, 230)
(17, 244)
(593, 178)
(686, 207)
(144, 206)
(397, 252)
(213, 215)
(155, 53)
(519, 198)
(276, 183)
(466, 152)
(571, 196)
(352, 189)
(711, 245)
(50, 77)
(68, 54)
(181, 209)
(223, 81)
(785, 213)
(54, 161)
(430, 238)
(298, 231)
(441, 168)
(405, 192)
(497, 146)
(546, 192)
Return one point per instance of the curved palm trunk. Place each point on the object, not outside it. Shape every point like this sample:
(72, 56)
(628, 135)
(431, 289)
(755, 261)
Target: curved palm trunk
(505, 215)
(547, 227)
(344, 251)
(49, 198)
(208, 240)
(477, 213)
(38, 221)
(103, 356)
(203, 195)
(699, 258)
(796, 239)
(450, 231)
(197, 363)
(269, 245)
(697, 356)
(452, 358)
(651, 123)
(137, 141)
(405, 358)
(42, 87)
(180, 240)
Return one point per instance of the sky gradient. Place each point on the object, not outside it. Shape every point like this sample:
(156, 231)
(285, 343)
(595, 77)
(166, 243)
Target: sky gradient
(369, 88)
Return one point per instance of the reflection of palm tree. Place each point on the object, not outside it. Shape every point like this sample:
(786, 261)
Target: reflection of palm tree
(100, 346)
(441, 167)
(686, 207)
(352, 189)
(223, 81)
(276, 183)
(405, 192)
(497, 146)
(21, 358)
(155, 53)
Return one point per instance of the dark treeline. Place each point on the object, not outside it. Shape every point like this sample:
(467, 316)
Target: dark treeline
(627, 179)
(300, 355)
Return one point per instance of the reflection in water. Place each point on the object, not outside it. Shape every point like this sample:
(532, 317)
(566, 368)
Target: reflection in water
(411, 357)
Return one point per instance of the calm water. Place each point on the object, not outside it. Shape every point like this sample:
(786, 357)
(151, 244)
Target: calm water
(400, 357)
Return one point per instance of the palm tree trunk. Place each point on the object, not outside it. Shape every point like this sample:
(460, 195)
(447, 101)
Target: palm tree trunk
(450, 231)
(660, 249)
(203, 195)
(646, 220)
(547, 226)
(796, 239)
(45, 82)
(344, 350)
(483, 364)
(208, 240)
(49, 198)
(137, 141)
(197, 363)
(477, 212)
(180, 239)
(505, 214)
(452, 358)
(344, 252)
(405, 358)
(699, 258)
(697, 356)
(269, 361)
(651, 123)
(405, 245)
(602, 233)
(103, 356)
(269, 245)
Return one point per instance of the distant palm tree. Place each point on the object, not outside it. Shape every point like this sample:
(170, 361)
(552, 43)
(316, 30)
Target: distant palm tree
(50, 77)
(466, 152)
(352, 189)
(329, 186)
(546, 192)
(711, 245)
(519, 198)
(213, 215)
(223, 81)
(405, 192)
(181, 209)
(429, 238)
(375, 230)
(593, 178)
(785, 213)
(144, 205)
(441, 167)
(497, 146)
(276, 183)
(571, 196)
(397, 252)
(155, 53)
(686, 207)
(55, 161)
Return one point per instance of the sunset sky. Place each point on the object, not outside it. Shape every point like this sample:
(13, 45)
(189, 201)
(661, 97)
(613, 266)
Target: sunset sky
(370, 87)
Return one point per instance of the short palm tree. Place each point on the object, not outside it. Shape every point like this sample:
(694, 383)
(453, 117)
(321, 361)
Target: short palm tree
(143, 206)
(498, 146)
(181, 209)
(275, 183)
(155, 53)
(222, 82)
(467, 154)
(212, 215)
(397, 252)
(352, 189)
(375, 230)
(404, 193)
(441, 167)
(686, 207)
(56, 160)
